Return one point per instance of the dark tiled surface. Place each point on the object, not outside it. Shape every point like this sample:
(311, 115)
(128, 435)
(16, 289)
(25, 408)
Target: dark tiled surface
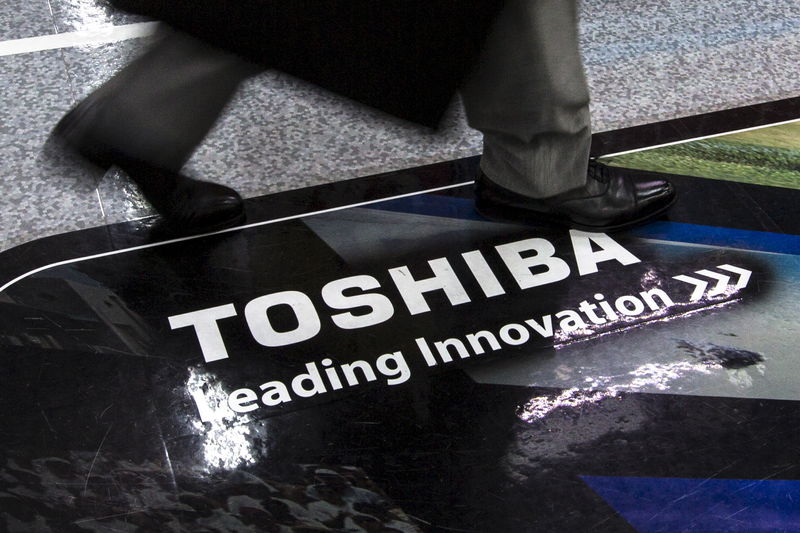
(82, 15)
(39, 185)
(654, 61)
(88, 67)
(20, 19)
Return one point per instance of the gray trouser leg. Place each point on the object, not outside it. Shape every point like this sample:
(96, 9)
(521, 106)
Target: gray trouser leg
(528, 96)
(160, 106)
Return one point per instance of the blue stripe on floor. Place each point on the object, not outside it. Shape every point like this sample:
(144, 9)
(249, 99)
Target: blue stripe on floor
(464, 208)
(668, 505)
(716, 236)
(432, 205)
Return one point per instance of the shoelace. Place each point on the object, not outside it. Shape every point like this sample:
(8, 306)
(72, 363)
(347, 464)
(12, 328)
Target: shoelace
(598, 171)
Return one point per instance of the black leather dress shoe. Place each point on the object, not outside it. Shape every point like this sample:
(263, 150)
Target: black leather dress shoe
(186, 204)
(612, 199)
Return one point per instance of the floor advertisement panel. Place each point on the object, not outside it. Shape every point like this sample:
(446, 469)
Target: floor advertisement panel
(379, 358)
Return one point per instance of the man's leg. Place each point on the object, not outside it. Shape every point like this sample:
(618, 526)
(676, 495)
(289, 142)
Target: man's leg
(529, 97)
(150, 116)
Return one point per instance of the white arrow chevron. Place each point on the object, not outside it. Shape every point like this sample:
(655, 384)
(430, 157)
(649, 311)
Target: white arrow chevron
(700, 286)
(722, 281)
(744, 275)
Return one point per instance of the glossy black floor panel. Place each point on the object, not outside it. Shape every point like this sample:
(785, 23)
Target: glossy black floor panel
(374, 356)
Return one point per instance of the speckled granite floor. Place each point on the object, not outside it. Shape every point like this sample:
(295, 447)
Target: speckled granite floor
(646, 61)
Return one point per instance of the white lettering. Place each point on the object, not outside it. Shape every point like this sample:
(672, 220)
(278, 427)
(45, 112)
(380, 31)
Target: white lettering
(587, 259)
(308, 323)
(520, 267)
(380, 308)
(206, 329)
(521, 335)
(394, 367)
(483, 274)
(413, 290)
(313, 378)
(241, 401)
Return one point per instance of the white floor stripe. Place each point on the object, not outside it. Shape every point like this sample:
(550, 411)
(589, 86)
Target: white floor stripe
(700, 138)
(359, 204)
(110, 34)
(237, 228)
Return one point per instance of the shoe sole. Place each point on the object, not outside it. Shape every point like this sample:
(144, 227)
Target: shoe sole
(516, 215)
(167, 229)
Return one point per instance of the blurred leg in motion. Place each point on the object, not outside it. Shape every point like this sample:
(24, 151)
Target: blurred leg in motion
(150, 116)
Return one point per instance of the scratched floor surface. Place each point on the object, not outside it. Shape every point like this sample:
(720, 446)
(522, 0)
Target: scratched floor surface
(369, 354)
